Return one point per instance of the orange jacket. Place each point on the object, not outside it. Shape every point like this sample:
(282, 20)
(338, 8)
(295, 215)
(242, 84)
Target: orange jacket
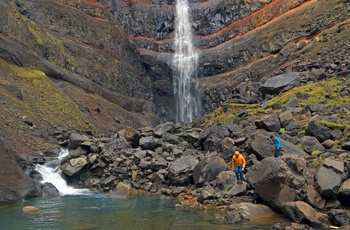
(238, 161)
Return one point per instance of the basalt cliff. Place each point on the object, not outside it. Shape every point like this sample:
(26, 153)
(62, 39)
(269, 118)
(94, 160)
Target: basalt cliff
(99, 66)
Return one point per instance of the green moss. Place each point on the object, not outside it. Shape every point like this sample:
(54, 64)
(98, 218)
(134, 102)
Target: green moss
(315, 153)
(326, 92)
(333, 125)
(44, 102)
(282, 130)
(35, 31)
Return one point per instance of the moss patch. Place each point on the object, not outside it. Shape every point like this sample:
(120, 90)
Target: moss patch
(326, 92)
(40, 100)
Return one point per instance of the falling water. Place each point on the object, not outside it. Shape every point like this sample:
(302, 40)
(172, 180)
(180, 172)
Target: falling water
(185, 62)
(51, 173)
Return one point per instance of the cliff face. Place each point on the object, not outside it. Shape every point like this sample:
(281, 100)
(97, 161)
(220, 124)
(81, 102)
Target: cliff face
(245, 41)
(102, 65)
(72, 56)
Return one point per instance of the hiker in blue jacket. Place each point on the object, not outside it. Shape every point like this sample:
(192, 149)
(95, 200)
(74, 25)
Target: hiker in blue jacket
(277, 144)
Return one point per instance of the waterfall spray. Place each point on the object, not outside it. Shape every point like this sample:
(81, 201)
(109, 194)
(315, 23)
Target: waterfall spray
(185, 63)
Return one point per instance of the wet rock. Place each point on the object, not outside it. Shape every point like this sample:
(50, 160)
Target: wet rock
(303, 213)
(74, 167)
(339, 217)
(49, 189)
(31, 209)
(249, 211)
(123, 191)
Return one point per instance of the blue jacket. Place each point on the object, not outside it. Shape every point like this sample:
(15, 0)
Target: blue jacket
(277, 143)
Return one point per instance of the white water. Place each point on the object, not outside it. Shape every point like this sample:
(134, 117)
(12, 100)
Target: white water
(51, 173)
(185, 64)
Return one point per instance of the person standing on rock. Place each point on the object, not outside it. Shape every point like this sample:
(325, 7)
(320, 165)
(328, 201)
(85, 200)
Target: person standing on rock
(238, 165)
(277, 144)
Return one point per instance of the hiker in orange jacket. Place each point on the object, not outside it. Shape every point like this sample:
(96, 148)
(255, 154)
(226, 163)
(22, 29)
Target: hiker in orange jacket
(238, 165)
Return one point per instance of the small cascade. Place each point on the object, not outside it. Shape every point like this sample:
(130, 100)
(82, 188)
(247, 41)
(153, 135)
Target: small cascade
(51, 173)
(185, 64)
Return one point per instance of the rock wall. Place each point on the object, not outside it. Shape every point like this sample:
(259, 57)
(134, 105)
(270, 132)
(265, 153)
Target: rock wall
(243, 41)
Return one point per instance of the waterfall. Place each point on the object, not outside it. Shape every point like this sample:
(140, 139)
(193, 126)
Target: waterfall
(51, 173)
(185, 63)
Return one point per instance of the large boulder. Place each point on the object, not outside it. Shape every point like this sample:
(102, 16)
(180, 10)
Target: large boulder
(262, 146)
(181, 170)
(271, 123)
(74, 167)
(303, 213)
(328, 181)
(275, 84)
(123, 191)
(160, 129)
(150, 143)
(311, 144)
(15, 185)
(276, 183)
(249, 211)
(339, 217)
(344, 192)
(322, 133)
(75, 140)
(208, 169)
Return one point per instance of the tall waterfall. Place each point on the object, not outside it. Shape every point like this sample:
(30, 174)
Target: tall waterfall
(51, 173)
(185, 63)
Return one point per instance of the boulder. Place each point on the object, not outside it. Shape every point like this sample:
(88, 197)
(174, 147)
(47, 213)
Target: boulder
(75, 140)
(270, 123)
(261, 146)
(181, 170)
(227, 148)
(15, 185)
(276, 183)
(286, 118)
(276, 84)
(303, 213)
(237, 190)
(208, 169)
(310, 144)
(160, 129)
(212, 143)
(225, 180)
(31, 209)
(49, 189)
(339, 217)
(149, 143)
(344, 192)
(132, 136)
(322, 133)
(123, 191)
(251, 212)
(327, 181)
(74, 167)
(314, 198)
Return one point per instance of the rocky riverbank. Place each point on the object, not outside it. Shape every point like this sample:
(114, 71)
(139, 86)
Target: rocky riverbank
(309, 184)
